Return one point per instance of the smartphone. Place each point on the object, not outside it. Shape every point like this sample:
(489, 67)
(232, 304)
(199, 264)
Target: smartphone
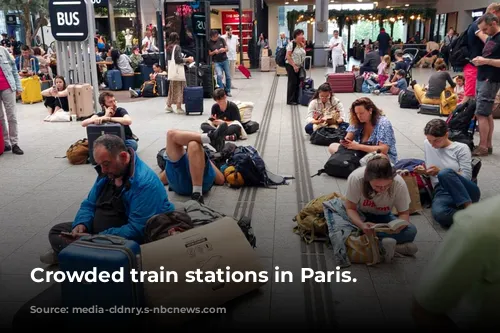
(65, 233)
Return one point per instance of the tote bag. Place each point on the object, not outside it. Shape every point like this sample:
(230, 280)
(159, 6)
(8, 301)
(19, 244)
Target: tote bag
(175, 71)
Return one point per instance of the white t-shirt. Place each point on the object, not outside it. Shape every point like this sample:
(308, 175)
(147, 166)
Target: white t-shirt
(456, 157)
(382, 203)
(150, 42)
(337, 49)
(232, 45)
(128, 40)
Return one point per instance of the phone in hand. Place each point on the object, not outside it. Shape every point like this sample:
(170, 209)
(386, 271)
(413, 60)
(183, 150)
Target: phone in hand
(67, 234)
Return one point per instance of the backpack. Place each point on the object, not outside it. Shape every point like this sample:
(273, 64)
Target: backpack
(78, 152)
(342, 163)
(148, 89)
(324, 136)
(460, 119)
(281, 55)
(311, 222)
(408, 100)
(248, 163)
(459, 50)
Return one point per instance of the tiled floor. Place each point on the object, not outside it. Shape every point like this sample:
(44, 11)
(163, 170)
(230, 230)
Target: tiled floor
(40, 189)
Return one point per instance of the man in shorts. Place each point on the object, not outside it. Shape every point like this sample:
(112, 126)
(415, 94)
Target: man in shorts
(488, 82)
(190, 172)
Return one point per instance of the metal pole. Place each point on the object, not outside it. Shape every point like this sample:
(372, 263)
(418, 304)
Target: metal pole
(241, 32)
(159, 23)
(93, 65)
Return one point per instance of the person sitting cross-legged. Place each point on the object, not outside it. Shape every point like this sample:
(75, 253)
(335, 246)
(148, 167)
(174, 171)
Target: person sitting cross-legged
(126, 194)
(190, 171)
(111, 113)
(224, 111)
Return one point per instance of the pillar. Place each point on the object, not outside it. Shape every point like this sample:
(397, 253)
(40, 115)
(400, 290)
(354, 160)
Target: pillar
(321, 34)
(111, 18)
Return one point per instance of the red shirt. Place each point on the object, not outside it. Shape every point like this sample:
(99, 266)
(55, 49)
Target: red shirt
(4, 84)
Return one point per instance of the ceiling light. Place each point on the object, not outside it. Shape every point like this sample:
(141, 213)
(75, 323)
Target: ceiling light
(407, 5)
(295, 0)
(286, 3)
(388, 7)
(360, 0)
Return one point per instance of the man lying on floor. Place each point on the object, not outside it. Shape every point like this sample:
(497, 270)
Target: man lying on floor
(190, 171)
(126, 194)
(224, 111)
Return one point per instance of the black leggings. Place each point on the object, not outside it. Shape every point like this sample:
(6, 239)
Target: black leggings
(292, 92)
(61, 102)
(231, 129)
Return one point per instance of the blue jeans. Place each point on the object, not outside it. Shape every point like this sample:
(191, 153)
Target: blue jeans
(131, 143)
(450, 193)
(407, 235)
(220, 68)
(309, 128)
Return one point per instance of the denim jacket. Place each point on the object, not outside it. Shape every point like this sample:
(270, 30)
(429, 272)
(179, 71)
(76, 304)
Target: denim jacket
(9, 69)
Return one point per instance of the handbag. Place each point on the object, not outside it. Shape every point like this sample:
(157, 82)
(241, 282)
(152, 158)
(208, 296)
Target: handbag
(363, 249)
(413, 190)
(175, 71)
(302, 74)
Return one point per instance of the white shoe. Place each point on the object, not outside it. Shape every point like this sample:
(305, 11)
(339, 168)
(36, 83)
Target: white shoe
(49, 258)
(133, 93)
(180, 111)
(103, 85)
(47, 118)
(169, 109)
(389, 245)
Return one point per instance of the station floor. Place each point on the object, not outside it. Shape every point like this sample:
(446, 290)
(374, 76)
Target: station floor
(40, 189)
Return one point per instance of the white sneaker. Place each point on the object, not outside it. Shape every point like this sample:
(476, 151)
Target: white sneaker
(103, 85)
(389, 245)
(169, 109)
(48, 117)
(180, 111)
(133, 93)
(407, 249)
(49, 258)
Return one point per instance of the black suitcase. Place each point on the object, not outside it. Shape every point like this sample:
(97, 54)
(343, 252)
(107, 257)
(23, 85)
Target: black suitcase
(192, 79)
(207, 80)
(145, 71)
(193, 99)
(162, 85)
(306, 95)
(95, 131)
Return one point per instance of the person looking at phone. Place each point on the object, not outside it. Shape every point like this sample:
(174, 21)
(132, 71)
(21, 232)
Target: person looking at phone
(111, 113)
(224, 111)
(324, 110)
(338, 51)
(449, 164)
(369, 131)
(56, 97)
(217, 49)
(126, 194)
(27, 64)
(372, 193)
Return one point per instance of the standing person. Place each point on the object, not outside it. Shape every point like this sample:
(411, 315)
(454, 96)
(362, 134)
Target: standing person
(10, 87)
(338, 50)
(295, 56)
(232, 42)
(282, 42)
(217, 49)
(488, 82)
(383, 40)
(448, 39)
(148, 43)
(176, 88)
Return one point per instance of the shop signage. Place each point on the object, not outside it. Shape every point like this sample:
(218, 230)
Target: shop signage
(199, 24)
(231, 17)
(68, 20)
(477, 13)
(11, 19)
(100, 3)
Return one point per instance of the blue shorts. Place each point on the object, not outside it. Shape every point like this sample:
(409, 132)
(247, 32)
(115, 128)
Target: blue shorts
(179, 176)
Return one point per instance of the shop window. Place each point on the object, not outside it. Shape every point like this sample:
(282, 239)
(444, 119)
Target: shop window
(443, 29)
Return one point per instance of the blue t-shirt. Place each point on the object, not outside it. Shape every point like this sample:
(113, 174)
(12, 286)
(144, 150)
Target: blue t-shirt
(383, 133)
(402, 84)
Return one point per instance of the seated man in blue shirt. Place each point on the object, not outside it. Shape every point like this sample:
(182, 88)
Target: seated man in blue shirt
(399, 83)
(125, 195)
(27, 64)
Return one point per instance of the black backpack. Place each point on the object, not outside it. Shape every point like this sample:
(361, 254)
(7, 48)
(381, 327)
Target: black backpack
(460, 119)
(459, 50)
(408, 100)
(325, 136)
(281, 55)
(342, 163)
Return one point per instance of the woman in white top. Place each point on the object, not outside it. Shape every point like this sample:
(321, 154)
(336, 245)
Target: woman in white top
(449, 164)
(295, 56)
(324, 110)
(122, 62)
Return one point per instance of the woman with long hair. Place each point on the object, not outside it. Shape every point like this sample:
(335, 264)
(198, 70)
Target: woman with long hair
(295, 57)
(324, 110)
(56, 97)
(175, 88)
(121, 62)
(369, 131)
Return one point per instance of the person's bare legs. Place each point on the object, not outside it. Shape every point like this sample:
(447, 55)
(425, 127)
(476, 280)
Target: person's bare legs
(219, 176)
(332, 149)
(490, 133)
(196, 157)
(484, 131)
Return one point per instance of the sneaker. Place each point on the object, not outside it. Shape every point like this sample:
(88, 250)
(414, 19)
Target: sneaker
(231, 137)
(169, 109)
(16, 150)
(133, 93)
(197, 197)
(217, 137)
(180, 111)
(480, 151)
(376, 92)
(49, 258)
(407, 249)
(7, 148)
(389, 246)
(103, 85)
(229, 94)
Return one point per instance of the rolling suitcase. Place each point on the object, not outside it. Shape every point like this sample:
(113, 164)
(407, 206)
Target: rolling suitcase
(95, 131)
(32, 90)
(265, 64)
(145, 71)
(243, 70)
(114, 78)
(341, 82)
(193, 99)
(72, 99)
(162, 85)
(208, 80)
(84, 101)
(101, 253)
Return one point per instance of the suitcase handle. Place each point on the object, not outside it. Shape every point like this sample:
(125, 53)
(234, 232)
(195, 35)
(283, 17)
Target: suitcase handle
(115, 240)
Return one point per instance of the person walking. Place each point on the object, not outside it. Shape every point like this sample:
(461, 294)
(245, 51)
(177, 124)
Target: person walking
(338, 50)
(10, 87)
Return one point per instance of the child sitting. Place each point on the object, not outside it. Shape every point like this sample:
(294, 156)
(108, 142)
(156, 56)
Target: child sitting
(383, 70)
(324, 110)
(395, 87)
(459, 88)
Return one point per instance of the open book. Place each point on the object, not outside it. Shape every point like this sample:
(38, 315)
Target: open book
(391, 226)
